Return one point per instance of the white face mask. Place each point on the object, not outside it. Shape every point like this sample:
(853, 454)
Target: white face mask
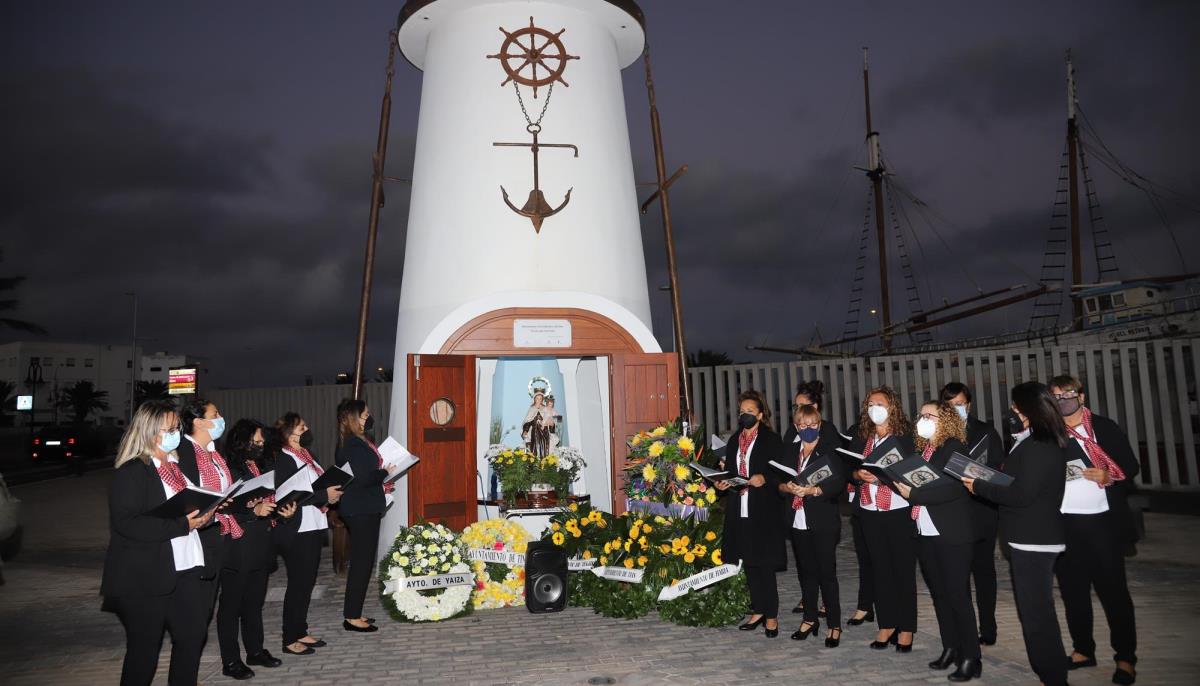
(878, 414)
(962, 411)
(926, 428)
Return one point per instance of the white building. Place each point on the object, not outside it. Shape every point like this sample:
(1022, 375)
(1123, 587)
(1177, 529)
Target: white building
(156, 367)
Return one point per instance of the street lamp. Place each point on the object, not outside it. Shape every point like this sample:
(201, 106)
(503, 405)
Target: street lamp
(133, 366)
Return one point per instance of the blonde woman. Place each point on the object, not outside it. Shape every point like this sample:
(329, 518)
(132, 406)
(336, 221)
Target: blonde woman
(945, 534)
(153, 565)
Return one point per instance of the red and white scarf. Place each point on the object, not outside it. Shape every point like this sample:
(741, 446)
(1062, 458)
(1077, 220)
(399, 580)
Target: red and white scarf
(744, 440)
(307, 458)
(211, 467)
(925, 455)
(169, 472)
(883, 494)
(1095, 453)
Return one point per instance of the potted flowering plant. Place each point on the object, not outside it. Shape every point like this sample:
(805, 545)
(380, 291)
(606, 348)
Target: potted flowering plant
(521, 472)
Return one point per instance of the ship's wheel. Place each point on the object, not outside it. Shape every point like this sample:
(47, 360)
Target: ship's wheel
(526, 50)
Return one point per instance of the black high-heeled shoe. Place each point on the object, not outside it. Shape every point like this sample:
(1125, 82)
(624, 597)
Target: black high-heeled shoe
(306, 651)
(832, 641)
(882, 645)
(799, 608)
(967, 670)
(948, 658)
(354, 627)
(1124, 677)
(771, 633)
(751, 626)
(869, 617)
(900, 647)
(802, 633)
(1089, 662)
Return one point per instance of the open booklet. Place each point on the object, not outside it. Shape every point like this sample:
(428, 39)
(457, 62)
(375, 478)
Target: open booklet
(715, 475)
(979, 452)
(1075, 469)
(298, 489)
(963, 467)
(916, 472)
(816, 472)
(194, 498)
(255, 489)
(396, 455)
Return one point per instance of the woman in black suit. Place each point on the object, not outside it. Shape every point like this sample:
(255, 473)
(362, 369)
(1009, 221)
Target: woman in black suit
(361, 507)
(203, 465)
(248, 559)
(153, 564)
(299, 539)
(1033, 525)
(752, 531)
(945, 533)
(886, 523)
(1099, 527)
(815, 524)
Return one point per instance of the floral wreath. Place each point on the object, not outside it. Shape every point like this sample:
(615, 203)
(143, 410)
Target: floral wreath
(419, 551)
(496, 584)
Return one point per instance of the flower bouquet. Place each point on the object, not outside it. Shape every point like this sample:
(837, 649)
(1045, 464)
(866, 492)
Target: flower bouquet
(426, 576)
(521, 472)
(497, 584)
(658, 479)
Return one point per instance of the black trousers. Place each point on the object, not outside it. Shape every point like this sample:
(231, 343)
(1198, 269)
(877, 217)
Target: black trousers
(1033, 590)
(242, 596)
(893, 553)
(1094, 558)
(816, 563)
(983, 571)
(302, 555)
(183, 612)
(947, 569)
(764, 594)
(364, 537)
(866, 574)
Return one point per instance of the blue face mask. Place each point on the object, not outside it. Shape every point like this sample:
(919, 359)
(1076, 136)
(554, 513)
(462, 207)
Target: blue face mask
(962, 411)
(169, 442)
(810, 434)
(217, 429)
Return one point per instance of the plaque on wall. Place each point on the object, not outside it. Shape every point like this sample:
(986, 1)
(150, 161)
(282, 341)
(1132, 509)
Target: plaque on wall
(541, 333)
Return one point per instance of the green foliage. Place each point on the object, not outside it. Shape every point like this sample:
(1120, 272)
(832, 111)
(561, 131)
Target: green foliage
(82, 399)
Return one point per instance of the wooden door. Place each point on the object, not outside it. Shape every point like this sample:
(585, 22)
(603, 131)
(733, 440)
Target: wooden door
(645, 394)
(441, 431)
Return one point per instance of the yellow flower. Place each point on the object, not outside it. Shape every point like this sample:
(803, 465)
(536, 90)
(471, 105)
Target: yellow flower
(674, 581)
(636, 440)
(681, 472)
(710, 536)
(711, 496)
(554, 526)
(685, 444)
(628, 563)
(689, 558)
(571, 523)
(520, 546)
(699, 550)
(594, 515)
(660, 431)
(690, 488)
(646, 528)
(627, 544)
(558, 538)
(573, 507)
(649, 474)
(684, 541)
(642, 560)
(665, 548)
(584, 521)
(716, 556)
(642, 542)
(607, 548)
(635, 531)
(656, 449)
(587, 554)
(576, 533)
(603, 560)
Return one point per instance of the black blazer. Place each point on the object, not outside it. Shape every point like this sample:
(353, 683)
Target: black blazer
(210, 535)
(758, 541)
(364, 494)
(253, 550)
(948, 504)
(856, 446)
(1114, 442)
(1029, 506)
(285, 467)
(822, 513)
(984, 512)
(139, 560)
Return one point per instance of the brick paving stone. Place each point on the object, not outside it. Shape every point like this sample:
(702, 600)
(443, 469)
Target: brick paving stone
(54, 632)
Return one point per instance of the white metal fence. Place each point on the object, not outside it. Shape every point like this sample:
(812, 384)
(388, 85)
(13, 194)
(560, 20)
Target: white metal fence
(1148, 387)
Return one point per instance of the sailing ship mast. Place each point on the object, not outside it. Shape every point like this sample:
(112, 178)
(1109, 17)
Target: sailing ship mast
(1073, 195)
(875, 172)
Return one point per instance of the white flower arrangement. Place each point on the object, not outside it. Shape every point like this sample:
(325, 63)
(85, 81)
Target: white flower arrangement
(425, 550)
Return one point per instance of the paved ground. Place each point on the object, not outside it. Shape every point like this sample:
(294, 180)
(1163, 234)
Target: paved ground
(54, 633)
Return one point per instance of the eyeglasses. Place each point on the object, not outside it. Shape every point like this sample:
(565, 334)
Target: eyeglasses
(1066, 395)
(929, 415)
(169, 430)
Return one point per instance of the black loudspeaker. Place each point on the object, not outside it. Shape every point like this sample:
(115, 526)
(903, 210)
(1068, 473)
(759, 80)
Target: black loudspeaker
(545, 577)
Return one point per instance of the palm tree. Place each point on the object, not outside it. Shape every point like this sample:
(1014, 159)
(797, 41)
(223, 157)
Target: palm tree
(82, 399)
(708, 358)
(7, 400)
(149, 390)
(8, 284)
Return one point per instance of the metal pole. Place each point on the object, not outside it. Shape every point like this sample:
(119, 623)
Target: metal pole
(385, 116)
(664, 202)
(1073, 198)
(134, 362)
(875, 172)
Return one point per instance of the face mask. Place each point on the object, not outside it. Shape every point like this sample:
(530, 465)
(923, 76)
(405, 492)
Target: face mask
(926, 428)
(254, 452)
(747, 420)
(217, 429)
(878, 414)
(369, 424)
(169, 442)
(1013, 424)
(1068, 406)
(962, 411)
(810, 434)
(306, 439)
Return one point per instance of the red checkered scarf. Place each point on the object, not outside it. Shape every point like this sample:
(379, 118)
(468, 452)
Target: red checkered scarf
(387, 487)
(307, 458)
(211, 466)
(1095, 453)
(925, 455)
(883, 494)
(252, 467)
(744, 440)
(169, 472)
(797, 501)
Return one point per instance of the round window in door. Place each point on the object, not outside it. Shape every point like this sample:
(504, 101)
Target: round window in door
(441, 411)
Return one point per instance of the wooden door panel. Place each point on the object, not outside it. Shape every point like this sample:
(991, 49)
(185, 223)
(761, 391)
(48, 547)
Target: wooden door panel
(442, 487)
(645, 394)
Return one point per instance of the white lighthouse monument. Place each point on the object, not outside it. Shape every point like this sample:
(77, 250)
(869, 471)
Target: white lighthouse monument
(523, 270)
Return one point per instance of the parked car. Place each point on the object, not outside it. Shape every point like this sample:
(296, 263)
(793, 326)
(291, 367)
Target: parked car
(58, 443)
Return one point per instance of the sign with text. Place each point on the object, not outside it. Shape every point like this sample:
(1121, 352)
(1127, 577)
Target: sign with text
(25, 402)
(181, 380)
(578, 564)
(699, 580)
(541, 333)
(426, 583)
(629, 576)
(503, 557)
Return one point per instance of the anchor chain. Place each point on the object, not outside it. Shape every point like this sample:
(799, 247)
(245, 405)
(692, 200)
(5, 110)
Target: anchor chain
(521, 102)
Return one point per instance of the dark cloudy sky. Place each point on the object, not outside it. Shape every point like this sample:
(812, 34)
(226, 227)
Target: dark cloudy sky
(215, 158)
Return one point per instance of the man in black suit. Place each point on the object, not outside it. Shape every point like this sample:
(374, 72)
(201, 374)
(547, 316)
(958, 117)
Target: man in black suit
(984, 513)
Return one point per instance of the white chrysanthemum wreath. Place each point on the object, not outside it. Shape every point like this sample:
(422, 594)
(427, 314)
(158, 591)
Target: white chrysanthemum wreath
(426, 576)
